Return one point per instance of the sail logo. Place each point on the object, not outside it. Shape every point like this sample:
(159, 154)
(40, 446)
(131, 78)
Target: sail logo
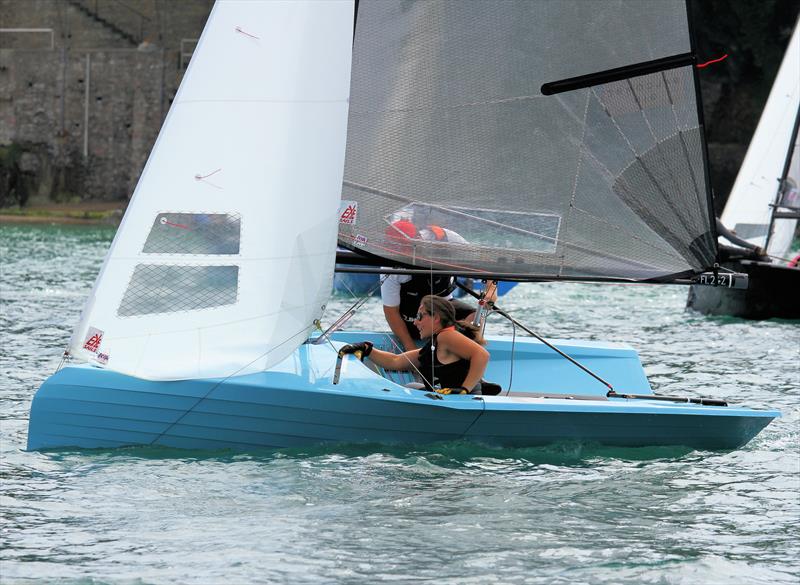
(94, 337)
(348, 212)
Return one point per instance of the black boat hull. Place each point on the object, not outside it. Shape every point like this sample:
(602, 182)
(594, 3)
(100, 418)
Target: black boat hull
(774, 292)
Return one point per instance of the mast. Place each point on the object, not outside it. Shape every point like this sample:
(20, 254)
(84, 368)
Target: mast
(701, 120)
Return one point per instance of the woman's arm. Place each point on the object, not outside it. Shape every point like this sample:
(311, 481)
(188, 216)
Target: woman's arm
(394, 361)
(460, 346)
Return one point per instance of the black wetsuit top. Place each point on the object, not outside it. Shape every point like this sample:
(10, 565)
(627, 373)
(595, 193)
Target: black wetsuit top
(446, 375)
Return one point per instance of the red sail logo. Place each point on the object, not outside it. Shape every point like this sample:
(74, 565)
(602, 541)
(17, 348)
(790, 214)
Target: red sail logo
(94, 337)
(349, 214)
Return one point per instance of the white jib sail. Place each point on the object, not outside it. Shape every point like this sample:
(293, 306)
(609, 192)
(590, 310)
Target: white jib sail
(225, 255)
(748, 210)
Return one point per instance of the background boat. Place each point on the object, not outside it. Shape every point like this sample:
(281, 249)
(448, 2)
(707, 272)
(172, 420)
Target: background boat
(762, 210)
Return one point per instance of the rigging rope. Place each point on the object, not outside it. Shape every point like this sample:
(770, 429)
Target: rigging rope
(222, 381)
(787, 260)
(499, 311)
(347, 315)
(65, 357)
(433, 340)
(317, 323)
(513, 349)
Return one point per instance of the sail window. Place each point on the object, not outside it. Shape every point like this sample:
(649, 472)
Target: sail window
(495, 228)
(515, 230)
(194, 233)
(165, 288)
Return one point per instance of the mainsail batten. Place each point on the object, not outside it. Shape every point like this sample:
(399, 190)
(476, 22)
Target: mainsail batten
(448, 125)
(619, 74)
(206, 277)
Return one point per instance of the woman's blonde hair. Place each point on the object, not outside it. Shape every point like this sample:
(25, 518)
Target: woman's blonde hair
(441, 307)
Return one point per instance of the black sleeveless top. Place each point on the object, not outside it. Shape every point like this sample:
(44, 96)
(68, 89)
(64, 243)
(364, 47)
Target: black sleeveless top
(445, 375)
(411, 294)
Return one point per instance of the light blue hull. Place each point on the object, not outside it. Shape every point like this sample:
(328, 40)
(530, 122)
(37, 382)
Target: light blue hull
(296, 404)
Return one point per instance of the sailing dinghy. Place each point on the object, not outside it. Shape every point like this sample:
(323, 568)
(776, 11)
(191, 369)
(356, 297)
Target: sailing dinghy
(561, 140)
(763, 209)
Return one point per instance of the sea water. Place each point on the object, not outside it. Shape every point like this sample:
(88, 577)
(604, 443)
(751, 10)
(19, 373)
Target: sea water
(446, 513)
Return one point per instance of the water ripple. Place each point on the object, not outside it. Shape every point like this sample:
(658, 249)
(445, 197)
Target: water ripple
(450, 513)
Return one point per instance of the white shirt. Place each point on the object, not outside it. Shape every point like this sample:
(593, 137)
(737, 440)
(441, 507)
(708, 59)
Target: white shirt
(390, 289)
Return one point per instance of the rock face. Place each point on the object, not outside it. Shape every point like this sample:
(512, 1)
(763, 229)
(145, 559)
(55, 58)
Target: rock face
(89, 117)
(82, 100)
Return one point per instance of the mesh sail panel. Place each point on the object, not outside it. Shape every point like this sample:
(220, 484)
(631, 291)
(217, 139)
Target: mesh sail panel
(159, 288)
(448, 126)
(194, 233)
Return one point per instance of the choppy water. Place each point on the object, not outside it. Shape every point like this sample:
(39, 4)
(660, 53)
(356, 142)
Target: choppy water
(452, 513)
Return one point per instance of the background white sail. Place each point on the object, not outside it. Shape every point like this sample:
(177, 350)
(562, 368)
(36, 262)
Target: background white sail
(748, 208)
(225, 256)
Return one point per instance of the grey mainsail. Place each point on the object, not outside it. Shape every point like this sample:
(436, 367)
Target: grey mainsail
(448, 126)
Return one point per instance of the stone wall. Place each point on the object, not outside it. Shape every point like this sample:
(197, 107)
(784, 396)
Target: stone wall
(83, 110)
(66, 134)
(85, 119)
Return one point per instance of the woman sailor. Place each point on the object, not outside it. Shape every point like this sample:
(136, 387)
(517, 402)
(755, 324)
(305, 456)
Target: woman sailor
(450, 362)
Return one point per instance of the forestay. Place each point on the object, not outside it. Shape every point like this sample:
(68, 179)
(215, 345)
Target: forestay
(748, 210)
(225, 256)
(448, 125)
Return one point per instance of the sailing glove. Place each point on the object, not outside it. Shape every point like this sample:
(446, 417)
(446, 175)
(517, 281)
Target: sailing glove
(459, 390)
(361, 350)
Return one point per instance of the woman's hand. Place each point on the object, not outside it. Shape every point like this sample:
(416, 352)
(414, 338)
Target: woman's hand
(459, 390)
(361, 350)
(390, 361)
